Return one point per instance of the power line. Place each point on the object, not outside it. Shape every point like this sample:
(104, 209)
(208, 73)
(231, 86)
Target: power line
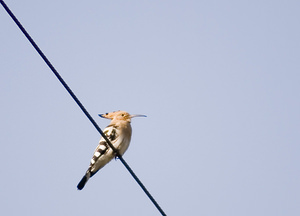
(80, 105)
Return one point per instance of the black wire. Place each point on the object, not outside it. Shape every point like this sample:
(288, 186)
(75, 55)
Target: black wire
(80, 105)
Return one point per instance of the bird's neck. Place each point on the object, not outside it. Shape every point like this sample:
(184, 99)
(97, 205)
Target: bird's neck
(121, 124)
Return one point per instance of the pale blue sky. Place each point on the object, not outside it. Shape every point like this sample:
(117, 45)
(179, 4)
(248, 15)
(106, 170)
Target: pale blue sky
(218, 80)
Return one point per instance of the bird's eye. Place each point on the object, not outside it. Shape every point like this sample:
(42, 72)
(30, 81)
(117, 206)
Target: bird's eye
(123, 114)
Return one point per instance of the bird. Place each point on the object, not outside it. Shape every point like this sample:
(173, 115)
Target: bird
(119, 134)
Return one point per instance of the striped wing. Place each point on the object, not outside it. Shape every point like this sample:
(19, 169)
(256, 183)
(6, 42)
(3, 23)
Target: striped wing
(103, 154)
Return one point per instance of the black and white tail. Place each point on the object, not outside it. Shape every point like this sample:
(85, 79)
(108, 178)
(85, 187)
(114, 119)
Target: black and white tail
(83, 181)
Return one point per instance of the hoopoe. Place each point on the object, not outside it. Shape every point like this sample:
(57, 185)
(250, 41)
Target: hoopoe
(119, 134)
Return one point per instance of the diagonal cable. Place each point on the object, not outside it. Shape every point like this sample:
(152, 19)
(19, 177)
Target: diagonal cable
(80, 105)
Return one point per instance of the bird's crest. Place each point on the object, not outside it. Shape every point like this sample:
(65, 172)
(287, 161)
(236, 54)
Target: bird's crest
(119, 115)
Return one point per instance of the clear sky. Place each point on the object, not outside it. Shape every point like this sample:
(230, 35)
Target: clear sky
(218, 80)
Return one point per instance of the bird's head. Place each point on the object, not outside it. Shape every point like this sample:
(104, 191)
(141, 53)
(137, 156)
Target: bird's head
(120, 115)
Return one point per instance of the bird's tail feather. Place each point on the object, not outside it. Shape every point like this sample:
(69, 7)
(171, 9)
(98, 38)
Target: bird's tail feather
(83, 181)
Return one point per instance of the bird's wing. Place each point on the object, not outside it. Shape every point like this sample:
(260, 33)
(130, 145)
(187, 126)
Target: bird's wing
(103, 154)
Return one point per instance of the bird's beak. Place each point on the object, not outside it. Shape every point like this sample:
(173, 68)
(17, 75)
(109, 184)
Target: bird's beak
(132, 116)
